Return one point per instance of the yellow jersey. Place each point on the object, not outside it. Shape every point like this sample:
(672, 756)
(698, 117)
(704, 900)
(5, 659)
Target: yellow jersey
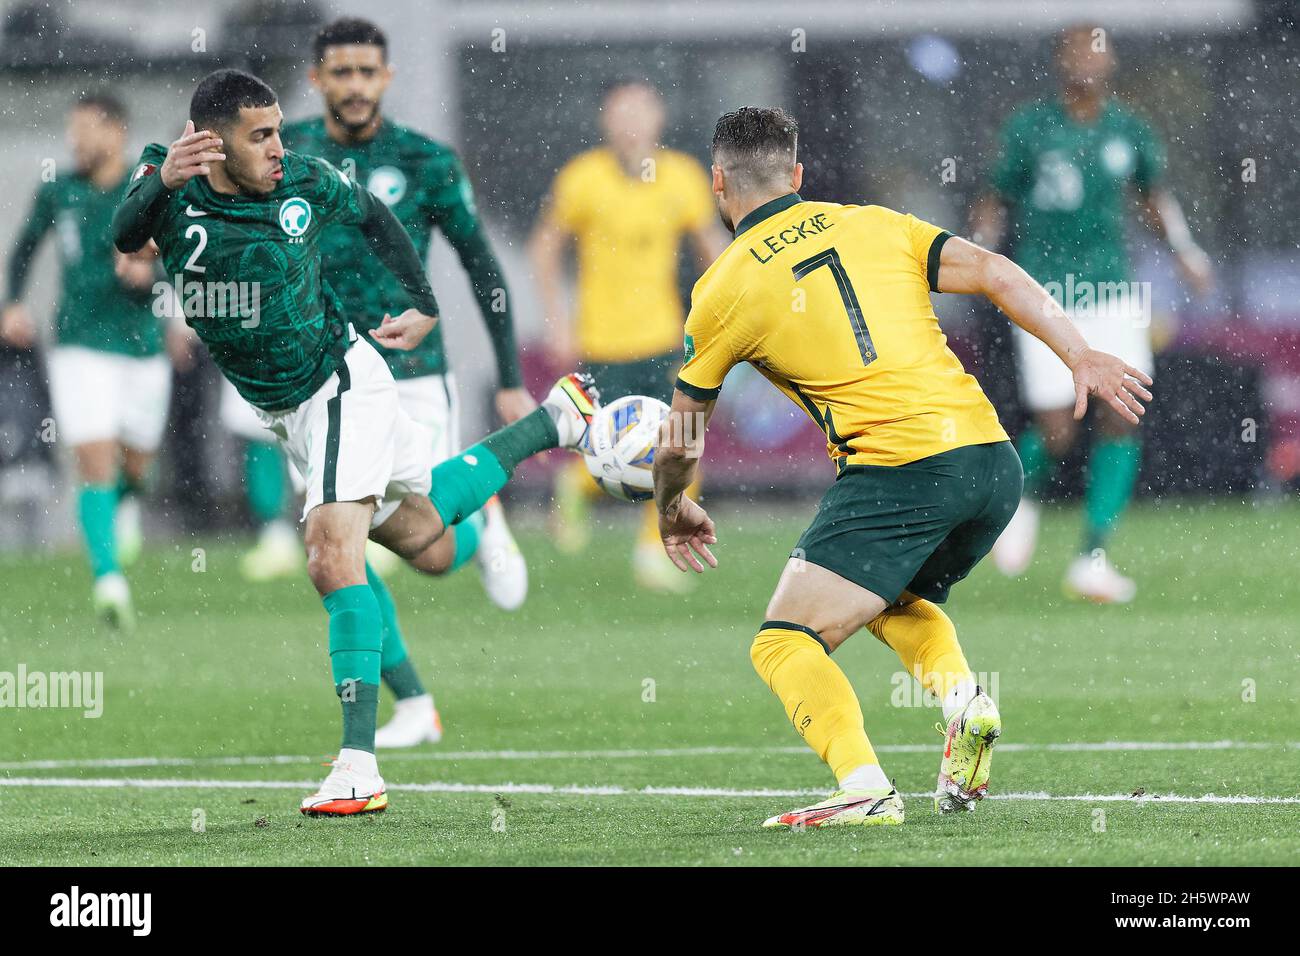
(831, 304)
(628, 230)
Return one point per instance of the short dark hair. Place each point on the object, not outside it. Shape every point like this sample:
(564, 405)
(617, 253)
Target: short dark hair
(348, 31)
(106, 103)
(756, 146)
(220, 96)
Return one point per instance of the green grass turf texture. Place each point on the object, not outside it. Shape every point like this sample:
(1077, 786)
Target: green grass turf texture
(223, 669)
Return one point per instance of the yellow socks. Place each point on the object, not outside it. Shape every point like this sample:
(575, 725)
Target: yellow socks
(926, 642)
(817, 697)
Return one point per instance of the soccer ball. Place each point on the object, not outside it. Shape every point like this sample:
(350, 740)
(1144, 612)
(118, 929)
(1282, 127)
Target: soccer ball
(620, 447)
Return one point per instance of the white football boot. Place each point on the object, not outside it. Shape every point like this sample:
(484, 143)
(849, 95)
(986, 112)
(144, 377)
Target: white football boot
(415, 721)
(1014, 548)
(862, 808)
(967, 755)
(277, 554)
(501, 566)
(112, 598)
(126, 530)
(1094, 578)
(572, 403)
(353, 786)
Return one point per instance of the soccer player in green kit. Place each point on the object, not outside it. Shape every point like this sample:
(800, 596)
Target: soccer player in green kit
(240, 221)
(1066, 172)
(424, 185)
(110, 382)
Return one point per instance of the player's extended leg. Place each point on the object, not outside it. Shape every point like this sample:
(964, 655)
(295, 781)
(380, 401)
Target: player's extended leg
(465, 483)
(97, 468)
(925, 640)
(1113, 465)
(132, 484)
(812, 612)
(336, 540)
(415, 718)
(278, 552)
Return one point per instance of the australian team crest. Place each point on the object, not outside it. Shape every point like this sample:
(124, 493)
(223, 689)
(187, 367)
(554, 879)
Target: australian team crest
(388, 183)
(295, 216)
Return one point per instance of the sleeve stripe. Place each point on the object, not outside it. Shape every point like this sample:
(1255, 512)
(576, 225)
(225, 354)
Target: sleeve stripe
(932, 260)
(697, 393)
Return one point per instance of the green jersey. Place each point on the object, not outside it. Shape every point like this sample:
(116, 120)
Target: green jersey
(95, 309)
(247, 269)
(1067, 184)
(424, 185)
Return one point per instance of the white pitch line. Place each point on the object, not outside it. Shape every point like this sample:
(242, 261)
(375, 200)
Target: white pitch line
(144, 783)
(1105, 746)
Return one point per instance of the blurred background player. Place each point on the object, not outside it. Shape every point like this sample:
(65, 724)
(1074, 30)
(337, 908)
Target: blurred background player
(627, 203)
(1065, 172)
(278, 552)
(110, 382)
(424, 184)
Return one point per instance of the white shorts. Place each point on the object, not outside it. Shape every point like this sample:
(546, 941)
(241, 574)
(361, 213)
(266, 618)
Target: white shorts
(103, 396)
(352, 440)
(431, 401)
(1046, 382)
(239, 417)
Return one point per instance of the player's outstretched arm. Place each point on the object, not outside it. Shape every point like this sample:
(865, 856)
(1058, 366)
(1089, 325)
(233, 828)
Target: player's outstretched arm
(965, 267)
(685, 527)
(187, 157)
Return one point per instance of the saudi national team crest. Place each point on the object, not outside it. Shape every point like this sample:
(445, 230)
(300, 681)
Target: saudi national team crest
(388, 183)
(295, 216)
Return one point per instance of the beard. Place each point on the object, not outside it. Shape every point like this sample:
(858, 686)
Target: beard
(337, 110)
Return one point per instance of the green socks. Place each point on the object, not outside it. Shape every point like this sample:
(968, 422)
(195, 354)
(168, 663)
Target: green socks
(533, 433)
(395, 666)
(356, 640)
(1036, 460)
(462, 485)
(1112, 475)
(264, 479)
(466, 536)
(96, 506)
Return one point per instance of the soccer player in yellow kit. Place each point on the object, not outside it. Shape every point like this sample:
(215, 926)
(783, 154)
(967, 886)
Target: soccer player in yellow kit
(831, 304)
(628, 204)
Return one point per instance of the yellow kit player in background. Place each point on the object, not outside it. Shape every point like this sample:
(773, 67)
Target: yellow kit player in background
(926, 478)
(628, 204)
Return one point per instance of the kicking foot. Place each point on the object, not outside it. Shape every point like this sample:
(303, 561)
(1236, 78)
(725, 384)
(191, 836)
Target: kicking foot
(126, 531)
(860, 808)
(501, 566)
(1014, 548)
(112, 599)
(967, 755)
(415, 721)
(353, 786)
(277, 554)
(572, 403)
(1095, 579)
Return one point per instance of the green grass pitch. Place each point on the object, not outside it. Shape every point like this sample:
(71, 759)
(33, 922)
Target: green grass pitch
(571, 723)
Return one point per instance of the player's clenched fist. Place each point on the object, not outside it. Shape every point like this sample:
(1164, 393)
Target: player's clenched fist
(190, 155)
(405, 331)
